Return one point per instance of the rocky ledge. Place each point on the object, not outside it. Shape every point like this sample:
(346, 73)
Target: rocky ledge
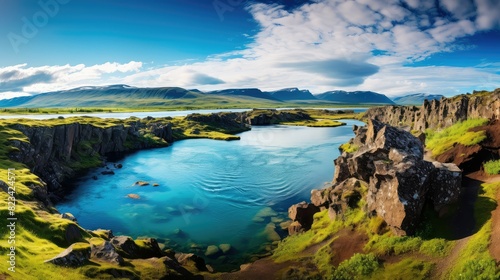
(385, 167)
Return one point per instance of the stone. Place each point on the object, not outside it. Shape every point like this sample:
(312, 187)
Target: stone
(225, 248)
(68, 216)
(142, 183)
(319, 197)
(156, 185)
(108, 172)
(118, 165)
(75, 255)
(284, 225)
(212, 251)
(263, 214)
(294, 228)
(128, 248)
(303, 213)
(106, 252)
(191, 260)
(270, 232)
(133, 196)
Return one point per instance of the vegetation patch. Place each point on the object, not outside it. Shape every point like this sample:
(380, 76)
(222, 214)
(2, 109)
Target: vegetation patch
(442, 141)
(349, 148)
(478, 263)
(492, 167)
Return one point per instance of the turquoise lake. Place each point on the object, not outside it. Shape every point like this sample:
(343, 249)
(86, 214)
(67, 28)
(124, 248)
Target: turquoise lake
(211, 192)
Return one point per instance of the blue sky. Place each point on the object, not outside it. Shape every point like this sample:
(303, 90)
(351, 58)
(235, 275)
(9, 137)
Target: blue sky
(390, 46)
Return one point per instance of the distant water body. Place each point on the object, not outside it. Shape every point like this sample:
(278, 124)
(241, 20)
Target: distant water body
(211, 192)
(144, 114)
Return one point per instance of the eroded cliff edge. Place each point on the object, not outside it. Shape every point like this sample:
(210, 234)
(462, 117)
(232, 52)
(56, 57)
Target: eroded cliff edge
(437, 114)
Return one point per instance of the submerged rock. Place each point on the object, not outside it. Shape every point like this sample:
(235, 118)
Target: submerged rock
(141, 183)
(225, 248)
(211, 251)
(133, 196)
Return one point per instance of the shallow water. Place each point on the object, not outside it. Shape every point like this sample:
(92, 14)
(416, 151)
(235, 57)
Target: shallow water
(210, 192)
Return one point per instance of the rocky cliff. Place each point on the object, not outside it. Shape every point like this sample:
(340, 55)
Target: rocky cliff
(385, 167)
(442, 113)
(56, 152)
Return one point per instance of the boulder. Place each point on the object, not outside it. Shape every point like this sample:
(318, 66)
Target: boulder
(128, 248)
(106, 252)
(188, 260)
(303, 213)
(68, 216)
(294, 228)
(133, 196)
(225, 248)
(75, 255)
(211, 251)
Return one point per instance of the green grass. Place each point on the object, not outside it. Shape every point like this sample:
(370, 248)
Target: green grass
(492, 167)
(442, 141)
(359, 266)
(478, 263)
(408, 268)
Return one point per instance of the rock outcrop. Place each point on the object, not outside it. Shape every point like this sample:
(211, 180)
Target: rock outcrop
(442, 113)
(75, 255)
(268, 117)
(388, 171)
(54, 152)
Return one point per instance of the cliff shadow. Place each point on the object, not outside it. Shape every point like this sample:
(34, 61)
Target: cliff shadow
(465, 219)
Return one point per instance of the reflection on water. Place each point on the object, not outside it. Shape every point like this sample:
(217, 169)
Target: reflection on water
(212, 192)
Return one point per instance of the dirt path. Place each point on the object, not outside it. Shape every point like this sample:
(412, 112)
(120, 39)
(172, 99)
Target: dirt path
(443, 265)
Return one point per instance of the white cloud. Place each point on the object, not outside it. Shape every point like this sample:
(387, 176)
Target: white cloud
(326, 35)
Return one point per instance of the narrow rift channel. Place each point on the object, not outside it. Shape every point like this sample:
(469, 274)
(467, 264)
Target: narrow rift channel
(211, 192)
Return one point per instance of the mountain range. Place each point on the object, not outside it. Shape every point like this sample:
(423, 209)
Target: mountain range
(415, 99)
(128, 96)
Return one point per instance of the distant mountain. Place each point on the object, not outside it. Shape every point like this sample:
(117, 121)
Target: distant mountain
(416, 98)
(123, 96)
(249, 92)
(354, 97)
(292, 94)
(114, 95)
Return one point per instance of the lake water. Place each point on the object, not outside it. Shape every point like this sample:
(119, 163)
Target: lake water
(145, 114)
(212, 192)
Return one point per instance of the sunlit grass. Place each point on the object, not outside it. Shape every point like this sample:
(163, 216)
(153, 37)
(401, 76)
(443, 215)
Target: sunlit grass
(442, 141)
(492, 167)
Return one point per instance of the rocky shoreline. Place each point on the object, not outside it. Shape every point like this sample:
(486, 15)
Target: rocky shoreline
(387, 170)
(57, 151)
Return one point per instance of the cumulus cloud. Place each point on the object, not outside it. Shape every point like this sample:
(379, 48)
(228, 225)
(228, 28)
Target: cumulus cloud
(321, 45)
(23, 79)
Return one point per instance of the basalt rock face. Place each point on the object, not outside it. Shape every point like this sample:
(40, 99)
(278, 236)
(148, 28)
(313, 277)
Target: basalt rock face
(268, 117)
(440, 113)
(52, 150)
(389, 172)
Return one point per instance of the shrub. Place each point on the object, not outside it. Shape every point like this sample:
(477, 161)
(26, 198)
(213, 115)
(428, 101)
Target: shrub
(492, 167)
(359, 265)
